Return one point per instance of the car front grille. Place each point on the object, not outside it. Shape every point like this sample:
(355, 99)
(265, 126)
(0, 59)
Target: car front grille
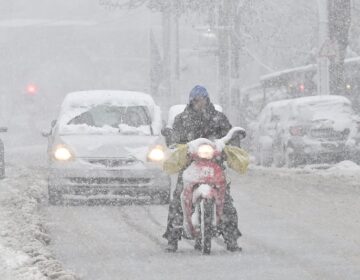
(116, 162)
(109, 181)
(328, 133)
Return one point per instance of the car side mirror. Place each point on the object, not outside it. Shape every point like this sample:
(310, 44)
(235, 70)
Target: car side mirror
(166, 131)
(3, 129)
(45, 134)
(240, 134)
(237, 137)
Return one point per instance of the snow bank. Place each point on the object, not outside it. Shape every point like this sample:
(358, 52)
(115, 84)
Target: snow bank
(23, 236)
(344, 168)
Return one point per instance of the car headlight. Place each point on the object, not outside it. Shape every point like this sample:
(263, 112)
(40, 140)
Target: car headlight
(62, 153)
(156, 154)
(206, 151)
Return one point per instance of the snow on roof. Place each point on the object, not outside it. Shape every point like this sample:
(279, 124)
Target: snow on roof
(309, 99)
(278, 104)
(309, 67)
(115, 97)
(288, 71)
(352, 60)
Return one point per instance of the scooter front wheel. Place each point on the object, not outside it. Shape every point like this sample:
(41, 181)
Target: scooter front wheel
(206, 216)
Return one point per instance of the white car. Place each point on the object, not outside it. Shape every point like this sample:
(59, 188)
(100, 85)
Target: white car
(314, 129)
(105, 146)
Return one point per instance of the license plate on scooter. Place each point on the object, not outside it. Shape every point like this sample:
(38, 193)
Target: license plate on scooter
(207, 172)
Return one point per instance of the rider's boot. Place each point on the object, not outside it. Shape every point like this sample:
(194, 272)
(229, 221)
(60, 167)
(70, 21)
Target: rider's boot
(232, 246)
(172, 246)
(197, 245)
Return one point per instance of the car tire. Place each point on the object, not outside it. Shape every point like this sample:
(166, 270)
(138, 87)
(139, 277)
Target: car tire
(55, 197)
(278, 157)
(290, 158)
(266, 159)
(164, 197)
(2, 172)
(2, 161)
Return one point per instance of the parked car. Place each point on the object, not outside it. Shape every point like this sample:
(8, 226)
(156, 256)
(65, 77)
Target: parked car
(263, 132)
(2, 155)
(105, 146)
(314, 129)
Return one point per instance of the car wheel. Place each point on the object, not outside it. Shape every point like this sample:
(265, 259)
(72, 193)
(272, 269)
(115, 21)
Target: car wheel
(2, 162)
(2, 172)
(164, 197)
(266, 159)
(290, 158)
(278, 158)
(55, 197)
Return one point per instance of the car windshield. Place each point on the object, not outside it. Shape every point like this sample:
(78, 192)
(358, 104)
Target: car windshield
(109, 119)
(311, 111)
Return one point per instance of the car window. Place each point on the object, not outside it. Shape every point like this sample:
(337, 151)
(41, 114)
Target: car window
(105, 115)
(275, 118)
(309, 110)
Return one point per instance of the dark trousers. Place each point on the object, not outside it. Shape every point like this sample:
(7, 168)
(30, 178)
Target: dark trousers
(229, 223)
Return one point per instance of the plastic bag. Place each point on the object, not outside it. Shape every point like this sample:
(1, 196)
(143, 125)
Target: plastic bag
(177, 161)
(237, 158)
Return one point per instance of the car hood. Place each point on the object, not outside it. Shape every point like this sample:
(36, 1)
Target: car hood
(338, 123)
(109, 146)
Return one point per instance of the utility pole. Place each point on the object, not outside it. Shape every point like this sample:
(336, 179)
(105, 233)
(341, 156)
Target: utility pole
(171, 54)
(166, 75)
(224, 30)
(339, 24)
(235, 65)
(323, 87)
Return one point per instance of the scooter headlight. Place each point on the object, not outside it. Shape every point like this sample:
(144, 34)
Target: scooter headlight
(156, 154)
(62, 153)
(206, 152)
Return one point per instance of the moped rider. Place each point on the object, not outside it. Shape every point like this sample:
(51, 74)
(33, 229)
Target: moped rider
(200, 120)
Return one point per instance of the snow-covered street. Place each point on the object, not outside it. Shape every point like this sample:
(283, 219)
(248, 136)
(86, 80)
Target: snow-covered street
(300, 223)
(104, 103)
(296, 225)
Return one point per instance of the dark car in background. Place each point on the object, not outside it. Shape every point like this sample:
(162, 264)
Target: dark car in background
(316, 129)
(2, 155)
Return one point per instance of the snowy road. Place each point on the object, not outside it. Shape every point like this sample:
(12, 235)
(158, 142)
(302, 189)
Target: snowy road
(295, 224)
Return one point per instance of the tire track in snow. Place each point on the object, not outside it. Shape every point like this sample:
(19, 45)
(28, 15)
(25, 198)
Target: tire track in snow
(153, 219)
(139, 229)
(86, 234)
(272, 251)
(151, 216)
